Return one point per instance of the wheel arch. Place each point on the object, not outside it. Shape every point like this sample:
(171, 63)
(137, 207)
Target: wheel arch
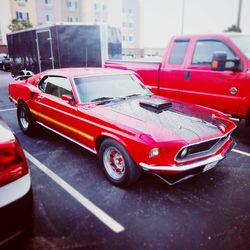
(100, 139)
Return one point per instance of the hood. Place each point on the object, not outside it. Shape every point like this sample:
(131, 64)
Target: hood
(177, 121)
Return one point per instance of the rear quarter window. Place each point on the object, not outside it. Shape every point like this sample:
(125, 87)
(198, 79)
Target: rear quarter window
(178, 52)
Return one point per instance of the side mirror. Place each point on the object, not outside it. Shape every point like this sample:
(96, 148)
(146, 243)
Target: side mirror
(219, 61)
(67, 98)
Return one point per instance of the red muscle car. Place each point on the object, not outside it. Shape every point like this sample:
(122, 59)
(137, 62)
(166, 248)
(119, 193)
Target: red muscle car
(112, 114)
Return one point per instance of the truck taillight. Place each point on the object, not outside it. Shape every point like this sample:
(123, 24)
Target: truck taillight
(13, 164)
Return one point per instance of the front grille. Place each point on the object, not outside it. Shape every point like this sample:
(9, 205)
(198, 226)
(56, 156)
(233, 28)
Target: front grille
(202, 148)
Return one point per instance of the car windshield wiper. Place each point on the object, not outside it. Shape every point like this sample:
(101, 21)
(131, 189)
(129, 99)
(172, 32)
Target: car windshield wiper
(106, 99)
(134, 95)
(103, 98)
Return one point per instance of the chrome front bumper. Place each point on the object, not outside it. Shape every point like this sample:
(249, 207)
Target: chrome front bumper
(185, 167)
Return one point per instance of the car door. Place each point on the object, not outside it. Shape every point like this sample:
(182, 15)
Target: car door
(172, 72)
(60, 115)
(221, 90)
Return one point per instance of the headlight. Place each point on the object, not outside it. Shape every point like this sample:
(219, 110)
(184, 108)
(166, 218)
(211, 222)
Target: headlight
(184, 152)
(154, 152)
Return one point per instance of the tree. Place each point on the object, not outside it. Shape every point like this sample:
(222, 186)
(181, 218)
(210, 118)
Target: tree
(19, 24)
(233, 28)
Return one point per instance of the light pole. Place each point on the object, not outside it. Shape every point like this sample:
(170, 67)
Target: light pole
(182, 16)
(239, 15)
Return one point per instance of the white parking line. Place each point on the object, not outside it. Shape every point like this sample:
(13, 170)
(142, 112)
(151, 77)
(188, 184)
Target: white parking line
(5, 110)
(101, 215)
(241, 152)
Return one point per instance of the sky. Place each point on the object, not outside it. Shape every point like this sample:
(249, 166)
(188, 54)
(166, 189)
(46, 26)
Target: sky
(161, 19)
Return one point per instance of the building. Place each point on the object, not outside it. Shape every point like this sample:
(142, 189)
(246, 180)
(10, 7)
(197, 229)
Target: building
(48, 11)
(24, 10)
(5, 18)
(131, 23)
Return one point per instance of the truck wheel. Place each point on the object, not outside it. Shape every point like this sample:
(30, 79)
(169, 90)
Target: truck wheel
(25, 119)
(118, 166)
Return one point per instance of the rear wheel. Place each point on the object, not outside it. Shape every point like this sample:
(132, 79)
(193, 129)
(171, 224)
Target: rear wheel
(117, 164)
(25, 119)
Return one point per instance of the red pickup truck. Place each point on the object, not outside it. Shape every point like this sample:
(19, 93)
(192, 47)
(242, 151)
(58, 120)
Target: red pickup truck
(210, 70)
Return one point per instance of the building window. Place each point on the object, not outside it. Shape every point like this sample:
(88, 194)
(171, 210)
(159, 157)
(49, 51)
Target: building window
(130, 38)
(21, 2)
(22, 15)
(130, 11)
(48, 2)
(71, 4)
(72, 19)
(48, 18)
(130, 25)
(124, 38)
(96, 6)
(124, 24)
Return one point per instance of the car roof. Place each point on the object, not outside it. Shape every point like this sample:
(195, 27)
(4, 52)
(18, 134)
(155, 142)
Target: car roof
(204, 36)
(85, 72)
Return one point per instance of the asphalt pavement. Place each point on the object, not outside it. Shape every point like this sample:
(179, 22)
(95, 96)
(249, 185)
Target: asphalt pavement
(75, 207)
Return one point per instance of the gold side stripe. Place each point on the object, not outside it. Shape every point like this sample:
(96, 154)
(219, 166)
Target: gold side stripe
(87, 136)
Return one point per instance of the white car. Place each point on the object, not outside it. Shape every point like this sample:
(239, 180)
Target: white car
(15, 187)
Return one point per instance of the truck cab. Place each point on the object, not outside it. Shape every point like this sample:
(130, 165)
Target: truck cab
(186, 72)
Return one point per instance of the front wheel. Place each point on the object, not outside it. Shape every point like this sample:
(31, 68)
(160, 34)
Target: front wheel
(117, 164)
(25, 119)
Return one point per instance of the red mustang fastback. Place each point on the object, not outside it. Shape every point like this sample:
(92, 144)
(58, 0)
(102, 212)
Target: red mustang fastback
(112, 114)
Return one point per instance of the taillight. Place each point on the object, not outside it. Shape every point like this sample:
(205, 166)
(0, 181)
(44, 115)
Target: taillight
(13, 164)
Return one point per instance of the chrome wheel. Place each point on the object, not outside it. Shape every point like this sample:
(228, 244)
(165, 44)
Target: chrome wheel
(114, 163)
(24, 119)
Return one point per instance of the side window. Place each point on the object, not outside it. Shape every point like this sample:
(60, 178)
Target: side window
(55, 85)
(204, 52)
(178, 52)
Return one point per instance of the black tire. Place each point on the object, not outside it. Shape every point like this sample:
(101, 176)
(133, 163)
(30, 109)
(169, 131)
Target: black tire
(117, 165)
(25, 119)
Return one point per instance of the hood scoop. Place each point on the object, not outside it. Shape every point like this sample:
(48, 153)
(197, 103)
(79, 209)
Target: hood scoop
(156, 105)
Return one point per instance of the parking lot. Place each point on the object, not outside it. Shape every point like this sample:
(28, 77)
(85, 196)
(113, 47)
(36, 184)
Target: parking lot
(75, 207)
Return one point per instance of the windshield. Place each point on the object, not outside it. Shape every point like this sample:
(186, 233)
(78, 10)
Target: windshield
(243, 44)
(91, 89)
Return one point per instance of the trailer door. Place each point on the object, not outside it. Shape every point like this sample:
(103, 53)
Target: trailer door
(44, 50)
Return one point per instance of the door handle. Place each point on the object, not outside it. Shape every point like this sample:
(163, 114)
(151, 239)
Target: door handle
(187, 75)
(233, 90)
